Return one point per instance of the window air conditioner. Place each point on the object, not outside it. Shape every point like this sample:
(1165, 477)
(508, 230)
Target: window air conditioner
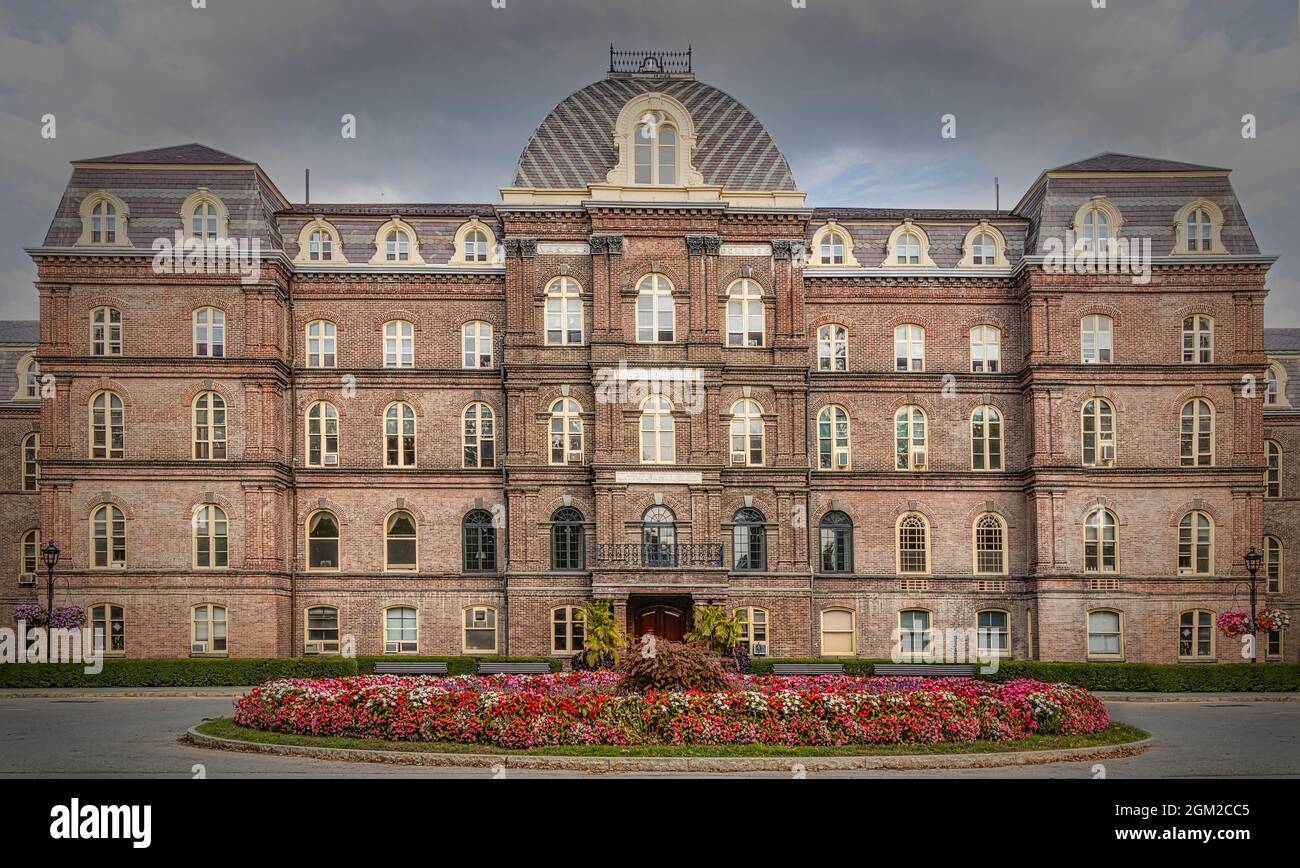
(392, 647)
(842, 458)
(330, 459)
(311, 648)
(1108, 453)
(575, 457)
(759, 649)
(27, 580)
(326, 565)
(737, 458)
(198, 647)
(918, 459)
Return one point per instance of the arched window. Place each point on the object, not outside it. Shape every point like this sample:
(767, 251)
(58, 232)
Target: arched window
(563, 312)
(747, 433)
(836, 542)
(1273, 476)
(1272, 390)
(107, 629)
(31, 466)
(984, 250)
(30, 557)
(1196, 544)
(568, 630)
(658, 537)
(397, 246)
(986, 439)
(107, 537)
(208, 630)
(106, 332)
(1095, 230)
(566, 432)
(209, 426)
(476, 345)
(480, 635)
(1196, 434)
(656, 315)
(1273, 563)
(29, 379)
(832, 348)
(1100, 541)
(321, 628)
(746, 320)
(211, 538)
(839, 633)
(205, 220)
(985, 349)
(476, 246)
(753, 630)
(401, 630)
(322, 434)
(833, 438)
(909, 348)
(107, 426)
(1199, 226)
(399, 344)
(990, 545)
(103, 223)
(322, 340)
(657, 444)
(907, 249)
(209, 333)
(913, 544)
(1196, 635)
(993, 629)
(655, 150)
(1105, 634)
(479, 539)
(568, 539)
(320, 246)
(914, 632)
(400, 542)
(322, 541)
(478, 436)
(749, 540)
(1098, 427)
(1198, 340)
(831, 249)
(909, 439)
(399, 435)
(1096, 339)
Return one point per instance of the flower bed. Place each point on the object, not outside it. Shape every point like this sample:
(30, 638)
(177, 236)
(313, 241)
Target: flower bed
(583, 708)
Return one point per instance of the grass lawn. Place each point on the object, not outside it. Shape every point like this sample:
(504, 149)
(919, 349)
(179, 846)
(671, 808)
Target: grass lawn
(1116, 733)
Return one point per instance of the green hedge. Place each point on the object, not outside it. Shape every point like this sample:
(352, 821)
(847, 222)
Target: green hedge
(852, 665)
(455, 665)
(183, 672)
(1158, 677)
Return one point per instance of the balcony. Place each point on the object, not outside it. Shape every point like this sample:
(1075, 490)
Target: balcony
(659, 555)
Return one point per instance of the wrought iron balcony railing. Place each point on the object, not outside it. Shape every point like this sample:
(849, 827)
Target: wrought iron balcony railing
(659, 555)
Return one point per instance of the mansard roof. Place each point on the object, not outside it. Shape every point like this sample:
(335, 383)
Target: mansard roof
(896, 214)
(388, 209)
(191, 154)
(1282, 340)
(1110, 161)
(20, 331)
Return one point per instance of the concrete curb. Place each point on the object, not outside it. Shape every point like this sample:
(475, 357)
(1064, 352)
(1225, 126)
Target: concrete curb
(1109, 696)
(122, 692)
(675, 764)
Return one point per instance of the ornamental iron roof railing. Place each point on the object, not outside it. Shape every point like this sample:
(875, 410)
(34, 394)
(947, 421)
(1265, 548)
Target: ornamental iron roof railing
(637, 62)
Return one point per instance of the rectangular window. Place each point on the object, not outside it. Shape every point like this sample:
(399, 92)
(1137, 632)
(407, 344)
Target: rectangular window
(480, 630)
(401, 632)
(1104, 636)
(837, 633)
(994, 634)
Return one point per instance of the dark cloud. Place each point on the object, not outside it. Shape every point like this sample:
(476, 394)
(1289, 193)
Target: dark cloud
(447, 92)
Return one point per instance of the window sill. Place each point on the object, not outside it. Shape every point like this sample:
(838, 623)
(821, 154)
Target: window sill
(211, 654)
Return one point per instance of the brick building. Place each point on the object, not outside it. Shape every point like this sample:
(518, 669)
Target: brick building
(651, 373)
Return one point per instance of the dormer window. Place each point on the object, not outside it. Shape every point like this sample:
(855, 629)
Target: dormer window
(655, 150)
(983, 251)
(1096, 227)
(1096, 224)
(908, 250)
(320, 245)
(655, 137)
(831, 249)
(1198, 231)
(103, 223)
(103, 220)
(397, 246)
(1198, 227)
(204, 217)
(474, 244)
(476, 247)
(318, 241)
(909, 247)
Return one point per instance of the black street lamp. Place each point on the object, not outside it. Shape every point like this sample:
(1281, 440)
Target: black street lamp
(50, 555)
(1252, 559)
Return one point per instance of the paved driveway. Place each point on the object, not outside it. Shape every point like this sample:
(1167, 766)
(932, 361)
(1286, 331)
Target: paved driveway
(137, 737)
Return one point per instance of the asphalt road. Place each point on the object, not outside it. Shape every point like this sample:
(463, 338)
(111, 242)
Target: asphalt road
(137, 737)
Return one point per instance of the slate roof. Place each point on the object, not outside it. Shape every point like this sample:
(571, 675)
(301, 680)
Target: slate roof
(388, 209)
(20, 331)
(1113, 162)
(574, 145)
(1282, 340)
(175, 155)
(896, 214)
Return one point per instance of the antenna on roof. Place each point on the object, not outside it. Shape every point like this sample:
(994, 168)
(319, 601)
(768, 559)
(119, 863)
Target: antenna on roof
(997, 195)
(307, 187)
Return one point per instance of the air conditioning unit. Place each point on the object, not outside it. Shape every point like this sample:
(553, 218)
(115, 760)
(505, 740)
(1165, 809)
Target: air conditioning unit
(330, 459)
(392, 647)
(198, 647)
(326, 565)
(842, 458)
(575, 457)
(1185, 571)
(1108, 453)
(918, 459)
(752, 342)
(311, 648)
(737, 458)
(758, 649)
(1092, 361)
(27, 580)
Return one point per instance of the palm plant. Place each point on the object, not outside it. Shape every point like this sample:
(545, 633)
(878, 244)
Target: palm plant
(719, 630)
(602, 640)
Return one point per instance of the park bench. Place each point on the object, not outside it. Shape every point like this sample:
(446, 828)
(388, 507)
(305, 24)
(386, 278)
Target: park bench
(488, 668)
(409, 667)
(940, 670)
(807, 668)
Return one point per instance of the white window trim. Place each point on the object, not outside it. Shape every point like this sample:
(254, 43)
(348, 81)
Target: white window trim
(123, 216)
(322, 225)
(999, 247)
(381, 237)
(627, 126)
(495, 252)
(904, 228)
(203, 196)
(1216, 229)
(815, 247)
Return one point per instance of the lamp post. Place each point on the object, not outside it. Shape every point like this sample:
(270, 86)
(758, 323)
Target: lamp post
(50, 555)
(1252, 559)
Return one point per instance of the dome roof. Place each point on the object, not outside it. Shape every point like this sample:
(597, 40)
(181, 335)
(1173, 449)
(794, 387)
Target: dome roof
(574, 145)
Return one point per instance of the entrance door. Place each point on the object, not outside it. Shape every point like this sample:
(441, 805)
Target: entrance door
(665, 622)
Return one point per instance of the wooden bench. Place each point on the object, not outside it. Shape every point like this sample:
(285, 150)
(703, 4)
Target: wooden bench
(938, 670)
(411, 667)
(488, 668)
(807, 668)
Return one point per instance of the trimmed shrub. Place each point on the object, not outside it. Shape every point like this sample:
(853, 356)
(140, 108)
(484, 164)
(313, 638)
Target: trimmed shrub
(673, 666)
(1157, 677)
(181, 672)
(852, 665)
(463, 665)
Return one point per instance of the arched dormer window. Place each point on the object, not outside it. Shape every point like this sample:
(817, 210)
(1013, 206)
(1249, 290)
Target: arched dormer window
(1198, 228)
(832, 247)
(1095, 223)
(319, 242)
(29, 380)
(909, 247)
(103, 220)
(396, 244)
(1275, 387)
(475, 244)
(204, 217)
(655, 137)
(984, 247)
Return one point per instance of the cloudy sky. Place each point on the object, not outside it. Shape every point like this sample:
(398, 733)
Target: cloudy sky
(446, 93)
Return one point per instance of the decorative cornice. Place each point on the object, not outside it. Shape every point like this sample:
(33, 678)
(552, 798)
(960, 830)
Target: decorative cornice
(523, 247)
(612, 244)
(703, 245)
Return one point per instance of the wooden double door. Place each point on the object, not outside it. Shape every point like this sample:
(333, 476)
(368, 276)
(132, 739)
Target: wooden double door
(666, 621)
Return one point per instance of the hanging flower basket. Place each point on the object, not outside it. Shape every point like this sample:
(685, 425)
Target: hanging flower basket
(68, 617)
(1270, 620)
(1234, 624)
(31, 614)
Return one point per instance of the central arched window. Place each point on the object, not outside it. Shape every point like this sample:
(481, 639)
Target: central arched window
(990, 545)
(399, 435)
(747, 433)
(749, 540)
(400, 542)
(399, 344)
(204, 221)
(476, 246)
(479, 542)
(209, 426)
(321, 628)
(476, 345)
(985, 349)
(657, 431)
(1273, 474)
(1098, 426)
(835, 540)
(746, 321)
(1196, 543)
(986, 439)
(401, 630)
(107, 426)
(1100, 541)
(832, 348)
(656, 315)
(322, 541)
(566, 432)
(103, 223)
(563, 312)
(1198, 340)
(654, 148)
(107, 537)
(568, 546)
(909, 348)
(322, 337)
(106, 332)
(209, 333)
(833, 438)
(1096, 339)
(658, 537)
(478, 436)
(397, 246)
(1196, 434)
(907, 249)
(211, 538)
(31, 465)
(909, 439)
(913, 544)
(322, 434)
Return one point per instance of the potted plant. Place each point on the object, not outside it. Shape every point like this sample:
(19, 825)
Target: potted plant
(1233, 624)
(1270, 620)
